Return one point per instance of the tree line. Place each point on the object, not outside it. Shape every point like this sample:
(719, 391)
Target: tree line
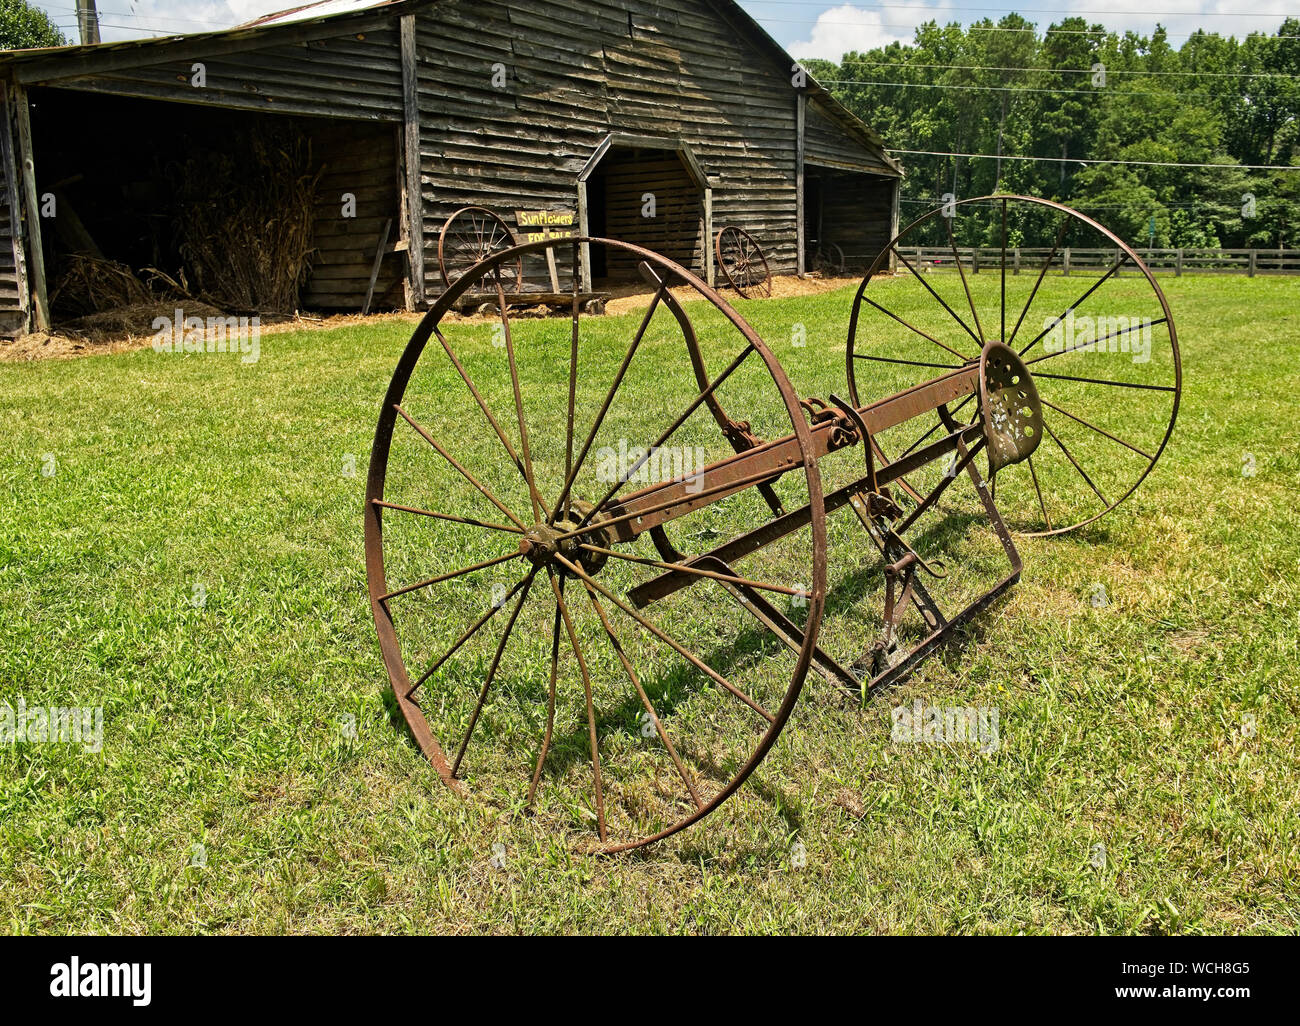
(1078, 94)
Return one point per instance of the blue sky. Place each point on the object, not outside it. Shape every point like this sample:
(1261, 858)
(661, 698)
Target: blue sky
(808, 28)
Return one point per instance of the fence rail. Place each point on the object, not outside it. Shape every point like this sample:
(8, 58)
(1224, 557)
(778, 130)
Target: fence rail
(1021, 260)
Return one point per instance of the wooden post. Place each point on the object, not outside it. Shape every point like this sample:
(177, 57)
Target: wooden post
(1065, 261)
(895, 203)
(13, 202)
(709, 270)
(800, 116)
(1017, 259)
(413, 228)
(1251, 273)
(1178, 263)
(584, 229)
(31, 210)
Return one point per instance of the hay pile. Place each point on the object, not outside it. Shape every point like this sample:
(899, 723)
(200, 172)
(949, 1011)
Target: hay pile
(86, 285)
(244, 220)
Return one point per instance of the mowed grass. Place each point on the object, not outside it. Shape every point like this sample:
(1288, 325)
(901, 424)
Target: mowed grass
(228, 796)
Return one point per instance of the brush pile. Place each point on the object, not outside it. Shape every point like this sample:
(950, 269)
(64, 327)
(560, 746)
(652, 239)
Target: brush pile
(87, 284)
(244, 220)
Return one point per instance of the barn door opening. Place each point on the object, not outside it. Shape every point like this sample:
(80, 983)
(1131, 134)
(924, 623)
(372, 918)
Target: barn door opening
(847, 219)
(649, 194)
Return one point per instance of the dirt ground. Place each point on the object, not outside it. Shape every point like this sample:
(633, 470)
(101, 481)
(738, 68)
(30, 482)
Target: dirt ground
(129, 328)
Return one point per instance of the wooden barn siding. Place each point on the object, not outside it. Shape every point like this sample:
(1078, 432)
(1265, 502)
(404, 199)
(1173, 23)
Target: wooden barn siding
(676, 231)
(342, 77)
(361, 160)
(575, 75)
(827, 141)
(856, 211)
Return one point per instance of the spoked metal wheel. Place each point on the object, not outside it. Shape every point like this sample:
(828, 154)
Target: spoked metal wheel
(742, 262)
(536, 488)
(1095, 333)
(472, 234)
(829, 259)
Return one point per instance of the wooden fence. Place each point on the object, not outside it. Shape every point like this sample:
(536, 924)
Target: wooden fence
(1030, 261)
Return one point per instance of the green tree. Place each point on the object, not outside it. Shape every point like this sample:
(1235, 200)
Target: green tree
(23, 26)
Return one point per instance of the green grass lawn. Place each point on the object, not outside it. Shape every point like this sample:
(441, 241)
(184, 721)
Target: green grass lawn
(181, 545)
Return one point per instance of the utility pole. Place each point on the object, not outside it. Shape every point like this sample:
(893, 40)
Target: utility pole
(88, 21)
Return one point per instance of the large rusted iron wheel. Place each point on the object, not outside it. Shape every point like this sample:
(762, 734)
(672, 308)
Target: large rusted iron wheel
(1085, 315)
(537, 531)
(473, 234)
(742, 262)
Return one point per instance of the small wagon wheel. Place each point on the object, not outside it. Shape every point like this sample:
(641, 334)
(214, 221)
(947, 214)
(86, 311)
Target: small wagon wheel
(829, 259)
(1099, 343)
(472, 234)
(743, 263)
(532, 616)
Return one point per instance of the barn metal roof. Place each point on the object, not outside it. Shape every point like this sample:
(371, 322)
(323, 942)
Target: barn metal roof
(48, 64)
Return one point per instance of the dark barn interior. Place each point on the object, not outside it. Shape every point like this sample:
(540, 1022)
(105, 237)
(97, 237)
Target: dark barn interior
(257, 212)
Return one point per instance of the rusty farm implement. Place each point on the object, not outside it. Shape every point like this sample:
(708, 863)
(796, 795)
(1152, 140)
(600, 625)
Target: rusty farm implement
(600, 574)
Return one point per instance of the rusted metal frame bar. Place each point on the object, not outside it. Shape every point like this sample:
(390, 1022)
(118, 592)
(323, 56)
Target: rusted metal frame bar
(668, 500)
(752, 541)
(685, 653)
(938, 637)
(784, 629)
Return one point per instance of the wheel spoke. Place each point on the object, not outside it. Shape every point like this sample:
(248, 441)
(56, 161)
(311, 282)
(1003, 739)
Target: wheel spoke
(514, 456)
(573, 380)
(539, 507)
(1041, 504)
(591, 712)
(609, 396)
(447, 516)
(941, 301)
(1070, 456)
(1060, 236)
(961, 271)
(449, 576)
(470, 632)
(424, 433)
(1105, 381)
(645, 699)
(908, 363)
(550, 699)
(1092, 344)
(1114, 268)
(913, 327)
(1003, 333)
(685, 653)
(492, 672)
(696, 571)
(694, 405)
(1094, 427)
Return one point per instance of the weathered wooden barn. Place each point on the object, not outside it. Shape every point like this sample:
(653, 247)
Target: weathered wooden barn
(415, 108)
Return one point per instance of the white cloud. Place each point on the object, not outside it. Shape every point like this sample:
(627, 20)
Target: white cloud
(844, 28)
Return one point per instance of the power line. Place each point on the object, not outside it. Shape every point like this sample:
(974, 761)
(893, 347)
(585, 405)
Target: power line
(1085, 163)
(999, 89)
(1070, 71)
(1072, 12)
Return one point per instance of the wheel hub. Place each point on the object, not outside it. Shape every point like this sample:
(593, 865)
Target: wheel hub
(542, 542)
